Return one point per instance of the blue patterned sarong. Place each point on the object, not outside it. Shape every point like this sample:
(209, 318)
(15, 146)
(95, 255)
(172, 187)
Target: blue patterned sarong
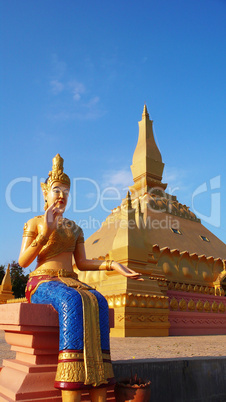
(84, 351)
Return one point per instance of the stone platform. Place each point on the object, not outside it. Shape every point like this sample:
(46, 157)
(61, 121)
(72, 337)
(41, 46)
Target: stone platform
(182, 369)
(152, 348)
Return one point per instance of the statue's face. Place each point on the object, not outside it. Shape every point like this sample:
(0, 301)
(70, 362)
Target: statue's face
(58, 192)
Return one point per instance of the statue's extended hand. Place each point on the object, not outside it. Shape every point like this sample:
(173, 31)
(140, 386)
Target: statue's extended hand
(125, 271)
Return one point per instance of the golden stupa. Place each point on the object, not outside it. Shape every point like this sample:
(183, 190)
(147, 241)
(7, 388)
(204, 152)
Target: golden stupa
(182, 262)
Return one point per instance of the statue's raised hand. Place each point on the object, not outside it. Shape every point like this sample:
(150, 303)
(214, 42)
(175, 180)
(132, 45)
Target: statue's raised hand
(51, 218)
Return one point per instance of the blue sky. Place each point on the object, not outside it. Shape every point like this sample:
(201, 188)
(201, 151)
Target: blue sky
(74, 78)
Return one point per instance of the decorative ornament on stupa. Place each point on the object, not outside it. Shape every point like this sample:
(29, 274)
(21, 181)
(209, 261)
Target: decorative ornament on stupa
(147, 167)
(129, 245)
(6, 288)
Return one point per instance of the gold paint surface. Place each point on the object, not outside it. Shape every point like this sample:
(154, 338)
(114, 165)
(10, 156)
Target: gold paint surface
(75, 372)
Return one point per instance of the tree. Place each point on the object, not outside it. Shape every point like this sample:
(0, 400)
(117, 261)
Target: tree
(2, 272)
(18, 279)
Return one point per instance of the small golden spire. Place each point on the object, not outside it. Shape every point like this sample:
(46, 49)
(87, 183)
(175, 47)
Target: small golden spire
(139, 206)
(145, 112)
(128, 201)
(6, 281)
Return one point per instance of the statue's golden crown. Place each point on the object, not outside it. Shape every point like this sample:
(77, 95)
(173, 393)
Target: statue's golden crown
(56, 174)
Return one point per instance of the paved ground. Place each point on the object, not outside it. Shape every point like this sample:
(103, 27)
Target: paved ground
(153, 348)
(168, 347)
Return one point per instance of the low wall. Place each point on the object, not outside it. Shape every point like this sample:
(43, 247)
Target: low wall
(180, 380)
(196, 314)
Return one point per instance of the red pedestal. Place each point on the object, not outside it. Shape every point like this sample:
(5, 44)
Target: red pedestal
(32, 330)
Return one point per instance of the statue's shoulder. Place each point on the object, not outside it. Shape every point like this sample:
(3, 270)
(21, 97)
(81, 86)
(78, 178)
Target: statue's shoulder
(77, 228)
(37, 219)
(80, 234)
(32, 223)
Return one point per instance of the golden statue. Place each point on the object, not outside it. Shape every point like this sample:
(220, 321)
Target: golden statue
(84, 352)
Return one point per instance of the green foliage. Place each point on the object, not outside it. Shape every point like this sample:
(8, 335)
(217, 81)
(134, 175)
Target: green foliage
(2, 273)
(18, 279)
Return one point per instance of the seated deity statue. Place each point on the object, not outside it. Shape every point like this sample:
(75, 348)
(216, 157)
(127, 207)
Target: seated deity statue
(84, 361)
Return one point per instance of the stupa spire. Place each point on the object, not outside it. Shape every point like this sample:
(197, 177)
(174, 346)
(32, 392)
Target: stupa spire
(145, 112)
(147, 167)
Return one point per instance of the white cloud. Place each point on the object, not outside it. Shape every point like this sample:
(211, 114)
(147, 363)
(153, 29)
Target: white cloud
(56, 86)
(118, 178)
(90, 114)
(77, 97)
(58, 67)
(174, 177)
(93, 101)
(180, 183)
(61, 115)
(42, 136)
(77, 88)
(77, 101)
(81, 114)
(72, 87)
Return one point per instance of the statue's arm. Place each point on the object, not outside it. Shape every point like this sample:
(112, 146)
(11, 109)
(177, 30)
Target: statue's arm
(33, 241)
(83, 264)
(30, 246)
